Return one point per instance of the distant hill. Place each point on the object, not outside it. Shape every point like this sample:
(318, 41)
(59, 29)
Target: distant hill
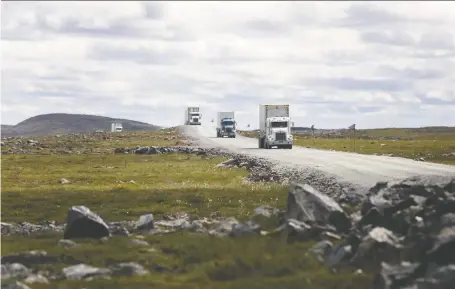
(389, 132)
(300, 128)
(62, 123)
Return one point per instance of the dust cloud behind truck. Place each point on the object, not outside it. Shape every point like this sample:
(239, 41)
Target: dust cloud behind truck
(193, 116)
(225, 124)
(275, 126)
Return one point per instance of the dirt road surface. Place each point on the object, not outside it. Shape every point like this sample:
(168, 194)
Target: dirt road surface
(356, 169)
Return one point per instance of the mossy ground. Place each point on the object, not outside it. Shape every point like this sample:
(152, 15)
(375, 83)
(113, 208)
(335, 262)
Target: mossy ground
(195, 261)
(163, 184)
(433, 145)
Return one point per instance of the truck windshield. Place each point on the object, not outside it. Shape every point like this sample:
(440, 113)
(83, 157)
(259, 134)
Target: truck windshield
(226, 123)
(276, 124)
(195, 114)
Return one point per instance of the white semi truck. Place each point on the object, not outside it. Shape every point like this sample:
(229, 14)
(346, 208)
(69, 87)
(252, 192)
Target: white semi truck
(225, 124)
(116, 127)
(193, 116)
(274, 126)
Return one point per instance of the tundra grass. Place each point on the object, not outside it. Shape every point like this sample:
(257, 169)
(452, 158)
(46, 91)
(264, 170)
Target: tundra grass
(162, 184)
(431, 146)
(121, 187)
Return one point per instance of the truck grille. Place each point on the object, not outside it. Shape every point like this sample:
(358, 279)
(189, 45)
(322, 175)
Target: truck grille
(228, 129)
(280, 136)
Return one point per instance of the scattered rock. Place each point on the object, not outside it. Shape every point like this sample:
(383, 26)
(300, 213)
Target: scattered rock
(321, 250)
(228, 163)
(30, 258)
(82, 271)
(121, 228)
(13, 270)
(245, 229)
(15, 285)
(64, 181)
(181, 223)
(26, 229)
(36, 278)
(119, 231)
(66, 243)
(104, 240)
(338, 255)
(128, 269)
(224, 227)
(83, 223)
(266, 211)
(145, 222)
(137, 242)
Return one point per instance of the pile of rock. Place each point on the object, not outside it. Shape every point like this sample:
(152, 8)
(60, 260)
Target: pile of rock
(153, 150)
(404, 232)
(262, 170)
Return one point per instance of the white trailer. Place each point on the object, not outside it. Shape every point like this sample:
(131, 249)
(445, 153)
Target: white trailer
(116, 127)
(192, 116)
(225, 124)
(275, 126)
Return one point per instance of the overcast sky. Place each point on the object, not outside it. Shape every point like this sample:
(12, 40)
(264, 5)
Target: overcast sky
(336, 63)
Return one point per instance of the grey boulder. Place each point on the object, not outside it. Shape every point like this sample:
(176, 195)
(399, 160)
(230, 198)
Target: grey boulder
(306, 204)
(83, 223)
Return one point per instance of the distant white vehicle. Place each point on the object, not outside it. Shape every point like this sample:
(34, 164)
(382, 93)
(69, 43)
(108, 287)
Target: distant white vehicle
(116, 127)
(193, 116)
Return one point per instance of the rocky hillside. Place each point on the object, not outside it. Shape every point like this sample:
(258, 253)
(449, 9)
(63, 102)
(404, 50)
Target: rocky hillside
(62, 123)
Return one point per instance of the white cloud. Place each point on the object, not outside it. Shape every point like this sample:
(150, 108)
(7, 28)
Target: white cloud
(372, 63)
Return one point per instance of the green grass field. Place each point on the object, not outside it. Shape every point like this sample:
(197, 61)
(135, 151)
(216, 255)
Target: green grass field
(433, 145)
(162, 184)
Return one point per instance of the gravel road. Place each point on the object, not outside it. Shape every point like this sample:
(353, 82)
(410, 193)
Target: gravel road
(351, 168)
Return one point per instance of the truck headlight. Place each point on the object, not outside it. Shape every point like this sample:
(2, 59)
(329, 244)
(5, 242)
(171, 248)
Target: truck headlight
(290, 137)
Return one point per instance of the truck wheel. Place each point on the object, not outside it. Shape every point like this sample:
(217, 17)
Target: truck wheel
(260, 143)
(290, 147)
